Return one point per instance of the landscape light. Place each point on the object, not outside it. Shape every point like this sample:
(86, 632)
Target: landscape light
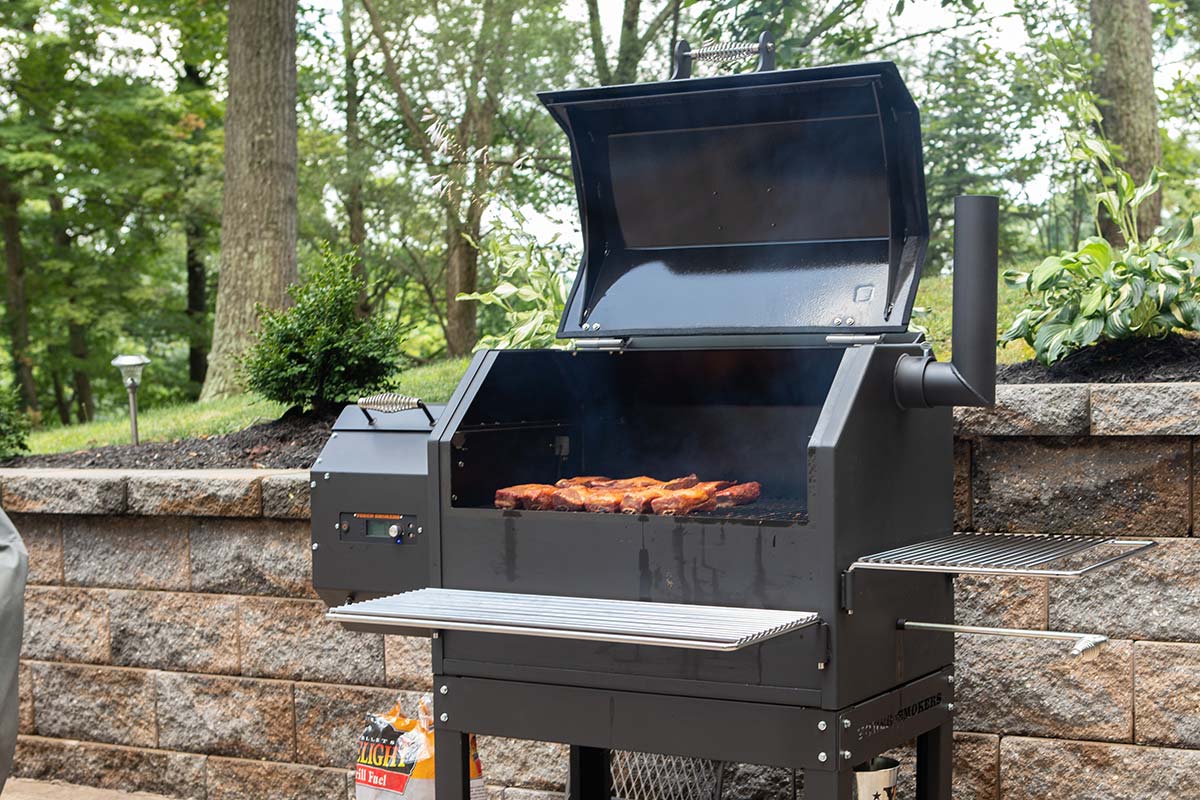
(131, 372)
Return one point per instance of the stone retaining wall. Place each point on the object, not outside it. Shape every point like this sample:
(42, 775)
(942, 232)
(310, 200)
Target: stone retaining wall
(174, 643)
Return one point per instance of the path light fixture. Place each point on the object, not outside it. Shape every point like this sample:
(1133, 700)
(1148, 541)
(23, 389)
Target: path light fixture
(131, 372)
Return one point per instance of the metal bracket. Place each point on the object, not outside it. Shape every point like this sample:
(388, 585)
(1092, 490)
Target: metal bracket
(848, 591)
(824, 645)
(613, 344)
(724, 53)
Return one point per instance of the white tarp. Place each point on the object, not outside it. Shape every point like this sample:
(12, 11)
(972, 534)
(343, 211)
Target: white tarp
(14, 564)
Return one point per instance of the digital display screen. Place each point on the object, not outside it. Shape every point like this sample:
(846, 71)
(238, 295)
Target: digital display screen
(380, 528)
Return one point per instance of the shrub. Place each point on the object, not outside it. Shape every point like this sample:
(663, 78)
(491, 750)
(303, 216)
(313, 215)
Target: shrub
(14, 424)
(531, 292)
(318, 352)
(1103, 292)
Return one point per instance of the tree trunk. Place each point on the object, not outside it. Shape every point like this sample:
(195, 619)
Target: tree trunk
(77, 343)
(258, 218)
(355, 209)
(1123, 41)
(629, 49)
(60, 399)
(462, 274)
(194, 231)
(18, 306)
(197, 300)
(85, 401)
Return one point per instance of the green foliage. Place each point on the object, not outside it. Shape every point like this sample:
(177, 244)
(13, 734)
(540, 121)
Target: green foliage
(14, 424)
(531, 291)
(1104, 292)
(319, 352)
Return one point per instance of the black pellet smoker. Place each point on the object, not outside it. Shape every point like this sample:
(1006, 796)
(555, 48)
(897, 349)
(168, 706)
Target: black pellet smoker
(752, 248)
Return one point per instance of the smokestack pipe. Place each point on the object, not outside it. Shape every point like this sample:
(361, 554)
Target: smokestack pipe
(969, 378)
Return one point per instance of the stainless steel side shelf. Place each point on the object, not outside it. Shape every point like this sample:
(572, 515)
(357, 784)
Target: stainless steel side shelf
(689, 627)
(1015, 554)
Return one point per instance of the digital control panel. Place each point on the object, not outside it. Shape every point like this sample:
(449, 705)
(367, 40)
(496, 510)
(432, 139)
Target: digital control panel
(393, 528)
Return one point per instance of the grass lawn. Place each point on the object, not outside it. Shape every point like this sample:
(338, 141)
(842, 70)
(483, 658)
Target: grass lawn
(433, 383)
(159, 424)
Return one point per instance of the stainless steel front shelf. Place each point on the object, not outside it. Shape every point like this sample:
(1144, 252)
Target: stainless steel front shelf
(1028, 555)
(689, 627)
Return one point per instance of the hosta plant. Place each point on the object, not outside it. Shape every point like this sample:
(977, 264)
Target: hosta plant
(1101, 292)
(531, 290)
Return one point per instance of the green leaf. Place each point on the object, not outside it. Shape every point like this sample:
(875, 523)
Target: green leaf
(1050, 342)
(1086, 331)
(1045, 273)
(1097, 250)
(1153, 184)
(1185, 236)
(1093, 301)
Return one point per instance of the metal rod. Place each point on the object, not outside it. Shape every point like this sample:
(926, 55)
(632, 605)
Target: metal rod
(132, 388)
(1087, 645)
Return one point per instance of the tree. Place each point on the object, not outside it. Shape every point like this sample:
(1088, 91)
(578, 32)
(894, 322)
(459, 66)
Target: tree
(1123, 43)
(464, 95)
(633, 41)
(258, 219)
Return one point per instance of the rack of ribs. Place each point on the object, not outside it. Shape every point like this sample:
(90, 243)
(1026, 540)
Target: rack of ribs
(638, 495)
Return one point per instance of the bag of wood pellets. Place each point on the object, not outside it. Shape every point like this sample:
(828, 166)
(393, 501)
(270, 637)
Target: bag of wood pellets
(395, 757)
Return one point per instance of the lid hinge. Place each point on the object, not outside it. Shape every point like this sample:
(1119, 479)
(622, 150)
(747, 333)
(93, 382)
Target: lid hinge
(601, 344)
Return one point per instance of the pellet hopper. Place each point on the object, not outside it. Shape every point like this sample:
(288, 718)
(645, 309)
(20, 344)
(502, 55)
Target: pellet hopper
(752, 247)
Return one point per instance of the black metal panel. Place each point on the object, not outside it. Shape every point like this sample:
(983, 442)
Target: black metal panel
(763, 402)
(758, 733)
(801, 191)
(364, 470)
(890, 720)
(882, 474)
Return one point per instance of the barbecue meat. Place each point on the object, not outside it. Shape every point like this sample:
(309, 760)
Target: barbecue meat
(683, 501)
(687, 481)
(625, 484)
(604, 501)
(738, 495)
(534, 496)
(638, 502)
(638, 495)
(583, 480)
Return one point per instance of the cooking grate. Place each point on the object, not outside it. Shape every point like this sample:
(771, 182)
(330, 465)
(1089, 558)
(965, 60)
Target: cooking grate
(691, 627)
(1002, 554)
(765, 509)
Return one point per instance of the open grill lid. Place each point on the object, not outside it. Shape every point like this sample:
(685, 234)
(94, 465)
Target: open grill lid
(764, 202)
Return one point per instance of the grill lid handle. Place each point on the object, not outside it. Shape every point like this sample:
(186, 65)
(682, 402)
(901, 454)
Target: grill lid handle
(724, 53)
(389, 403)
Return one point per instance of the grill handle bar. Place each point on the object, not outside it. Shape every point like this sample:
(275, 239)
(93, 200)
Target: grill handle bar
(1087, 645)
(969, 378)
(390, 402)
(685, 56)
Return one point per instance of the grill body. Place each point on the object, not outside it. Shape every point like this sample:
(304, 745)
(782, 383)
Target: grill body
(752, 246)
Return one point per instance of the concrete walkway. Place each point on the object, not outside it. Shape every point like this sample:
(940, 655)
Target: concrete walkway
(21, 789)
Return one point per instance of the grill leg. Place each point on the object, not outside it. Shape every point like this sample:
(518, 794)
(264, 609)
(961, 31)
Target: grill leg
(451, 764)
(591, 774)
(935, 767)
(828, 785)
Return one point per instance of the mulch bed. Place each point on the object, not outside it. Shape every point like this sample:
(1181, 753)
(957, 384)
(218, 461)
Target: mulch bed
(290, 442)
(1170, 359)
